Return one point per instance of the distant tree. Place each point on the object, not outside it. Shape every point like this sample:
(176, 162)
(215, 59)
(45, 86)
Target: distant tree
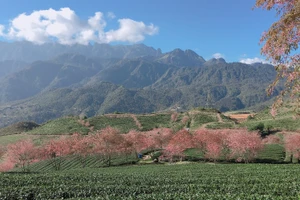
(82, 147)
(22, 154)
(57, 150)
(179, 142)
(292, 145)
(107, 143)
(244, 145)
(211, 142)
(272, 139)
(135, 142)
(174, 117)
(2, 151)
(281, 42)
(185, 119)
(160, 137)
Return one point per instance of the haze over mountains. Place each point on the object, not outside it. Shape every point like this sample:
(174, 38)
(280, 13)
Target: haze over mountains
(42, 82)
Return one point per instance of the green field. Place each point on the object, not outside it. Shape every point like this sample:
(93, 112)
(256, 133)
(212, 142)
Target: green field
(169, 181)
(65, 125)
(150, 122)
(123, 123)
(284, 120)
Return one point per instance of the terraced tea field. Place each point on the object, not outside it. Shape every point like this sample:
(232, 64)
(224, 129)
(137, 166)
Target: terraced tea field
(169, 181)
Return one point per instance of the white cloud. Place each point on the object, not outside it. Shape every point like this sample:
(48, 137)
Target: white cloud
(218, 55)
(111, 15)
(65, 27)
(253, 60)
(131, 31)
(1, 30)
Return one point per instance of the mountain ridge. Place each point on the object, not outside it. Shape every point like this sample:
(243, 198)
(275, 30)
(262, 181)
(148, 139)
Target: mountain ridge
(141, 80)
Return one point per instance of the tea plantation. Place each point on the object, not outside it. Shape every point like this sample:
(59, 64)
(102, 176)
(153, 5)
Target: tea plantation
(169, 181)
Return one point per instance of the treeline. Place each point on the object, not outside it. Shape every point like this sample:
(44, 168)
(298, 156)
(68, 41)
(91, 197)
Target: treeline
(237, 145)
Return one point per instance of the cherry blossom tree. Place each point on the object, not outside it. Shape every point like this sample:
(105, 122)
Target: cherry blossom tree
(2, 151)
(107, 143)
(157, 140)
(292, 145)
(22, 154)
(159, 137)
(81, 147)
(180, 141)
(281, 42)
(135, 142)
(6, 165)
(244, 145)
(57, 150)
(272, 139)
(174, 117)
(211, 142)
(185, 119)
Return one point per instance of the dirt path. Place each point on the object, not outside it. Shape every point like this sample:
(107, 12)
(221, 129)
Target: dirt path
(240, 117)
(220, 120)
(137, 122)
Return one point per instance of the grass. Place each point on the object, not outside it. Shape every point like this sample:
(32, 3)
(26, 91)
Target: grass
(150, 122)
(218, 125)
(202, 118)
(17, 128)
(123, 123)
(283, 121)
(10, 139)
(65, 125)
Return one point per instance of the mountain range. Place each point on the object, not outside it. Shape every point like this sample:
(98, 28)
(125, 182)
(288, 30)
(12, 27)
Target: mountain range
(43, 82)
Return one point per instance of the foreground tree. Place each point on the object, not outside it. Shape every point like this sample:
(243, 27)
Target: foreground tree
(281, 42)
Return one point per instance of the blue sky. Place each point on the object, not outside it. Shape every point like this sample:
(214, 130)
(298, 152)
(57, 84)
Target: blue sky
(230, 28)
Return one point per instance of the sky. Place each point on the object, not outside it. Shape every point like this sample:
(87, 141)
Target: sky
(229, 29)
